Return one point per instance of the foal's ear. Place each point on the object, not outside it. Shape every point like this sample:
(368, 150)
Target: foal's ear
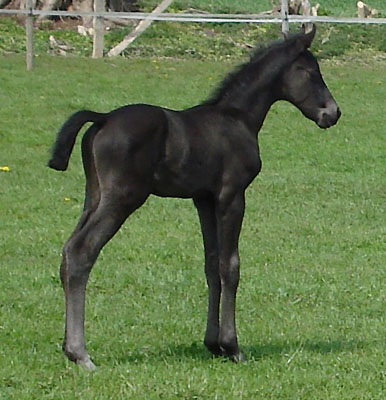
(309, 34)
(302, 41)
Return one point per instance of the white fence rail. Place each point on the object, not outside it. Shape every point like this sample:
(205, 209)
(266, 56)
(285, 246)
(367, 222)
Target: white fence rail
(283, 19)
(199, 17)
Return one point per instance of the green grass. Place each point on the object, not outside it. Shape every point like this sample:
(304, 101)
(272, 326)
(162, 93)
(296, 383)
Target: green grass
(311, 304)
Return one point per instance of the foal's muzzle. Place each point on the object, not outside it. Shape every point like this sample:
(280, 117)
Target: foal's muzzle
(328, 116)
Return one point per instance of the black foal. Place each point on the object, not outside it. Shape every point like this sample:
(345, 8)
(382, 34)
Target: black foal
(208, 153)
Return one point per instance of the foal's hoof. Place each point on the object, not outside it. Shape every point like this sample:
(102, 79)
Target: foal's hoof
(239, 357)
(87, 364)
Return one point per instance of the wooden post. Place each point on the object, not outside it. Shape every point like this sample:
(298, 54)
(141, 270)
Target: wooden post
(365, 11)
(284, 15)
(98, 38)
(307, 12)
(139, 29)
(29, 27)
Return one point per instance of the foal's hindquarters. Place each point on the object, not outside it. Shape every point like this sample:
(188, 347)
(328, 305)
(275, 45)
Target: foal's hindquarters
(118, 162)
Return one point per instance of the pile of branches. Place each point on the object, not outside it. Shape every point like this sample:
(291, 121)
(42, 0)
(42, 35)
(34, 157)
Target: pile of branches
(70, 5)
(75, 5)
(295, 7)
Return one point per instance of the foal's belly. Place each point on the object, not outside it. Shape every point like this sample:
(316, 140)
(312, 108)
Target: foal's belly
(184, 184)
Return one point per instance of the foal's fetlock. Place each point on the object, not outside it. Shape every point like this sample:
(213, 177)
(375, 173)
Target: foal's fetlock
(213, 347)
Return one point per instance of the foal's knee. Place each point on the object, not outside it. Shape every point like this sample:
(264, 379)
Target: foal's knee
(230, 271)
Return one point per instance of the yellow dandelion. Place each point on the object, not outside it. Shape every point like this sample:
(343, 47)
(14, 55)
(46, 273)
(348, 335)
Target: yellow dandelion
(5, 168)
(67, 199)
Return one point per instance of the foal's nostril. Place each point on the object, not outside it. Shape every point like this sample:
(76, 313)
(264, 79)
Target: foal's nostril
(338, 113)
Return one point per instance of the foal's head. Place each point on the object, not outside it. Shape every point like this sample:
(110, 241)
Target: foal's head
(302, 84)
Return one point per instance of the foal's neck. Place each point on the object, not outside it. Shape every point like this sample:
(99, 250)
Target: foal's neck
(254, 102)
(254, 87)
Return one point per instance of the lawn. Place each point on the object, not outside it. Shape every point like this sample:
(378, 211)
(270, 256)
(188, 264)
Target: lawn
(311, 303)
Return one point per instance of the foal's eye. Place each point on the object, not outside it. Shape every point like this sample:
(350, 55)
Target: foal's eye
(302, 70)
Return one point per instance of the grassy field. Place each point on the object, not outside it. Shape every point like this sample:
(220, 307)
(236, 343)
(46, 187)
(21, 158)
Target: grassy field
(311, 305)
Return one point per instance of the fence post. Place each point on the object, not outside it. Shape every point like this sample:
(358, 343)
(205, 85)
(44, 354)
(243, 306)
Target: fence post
(284, 15)
(98, 39)
(29, 27)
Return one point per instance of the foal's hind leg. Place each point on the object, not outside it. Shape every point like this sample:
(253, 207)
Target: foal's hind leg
(206, 212)
(92, 192)
(92, 195)
(80, 254)
(92, 198)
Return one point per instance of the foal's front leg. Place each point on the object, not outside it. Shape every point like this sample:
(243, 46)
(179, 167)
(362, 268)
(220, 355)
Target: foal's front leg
(207, 214)
(230, 214)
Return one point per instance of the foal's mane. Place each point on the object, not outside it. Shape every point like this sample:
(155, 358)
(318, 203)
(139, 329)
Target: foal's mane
(264, 65)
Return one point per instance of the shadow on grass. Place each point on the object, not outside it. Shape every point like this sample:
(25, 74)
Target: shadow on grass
(194, 351)
(285, 348)
(197, 351)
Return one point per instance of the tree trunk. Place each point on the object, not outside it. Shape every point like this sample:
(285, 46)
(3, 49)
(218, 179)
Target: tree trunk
(365, 11)
(307, 12)
(48, 5)
(85, 5)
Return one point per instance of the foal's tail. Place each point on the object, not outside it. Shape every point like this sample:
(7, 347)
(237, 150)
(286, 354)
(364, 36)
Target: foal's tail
(66, 137)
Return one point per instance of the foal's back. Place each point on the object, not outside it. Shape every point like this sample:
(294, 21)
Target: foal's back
(177, 153)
